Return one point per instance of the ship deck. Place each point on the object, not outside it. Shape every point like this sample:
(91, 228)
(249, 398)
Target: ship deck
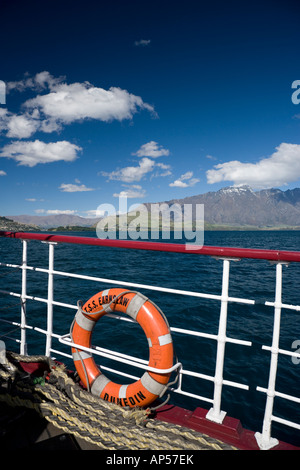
(24, 424)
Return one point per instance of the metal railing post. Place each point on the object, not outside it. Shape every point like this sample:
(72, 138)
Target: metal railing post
(215, 414)
(264, 439)
(50, 300)
(23, 344)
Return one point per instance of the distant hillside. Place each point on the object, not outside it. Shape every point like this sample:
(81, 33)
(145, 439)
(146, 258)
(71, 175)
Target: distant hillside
(10, 225)
(241, 206)
(51, 221)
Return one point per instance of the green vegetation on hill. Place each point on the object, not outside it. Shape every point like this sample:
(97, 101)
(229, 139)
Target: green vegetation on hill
(10, 225)
(71, 228)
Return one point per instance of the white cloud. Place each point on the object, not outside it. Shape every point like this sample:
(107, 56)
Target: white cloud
(152, 149)
(50, 125)
(4, 115)
(22, 126)
(133, 191)
(39, 82)
(142, 42)
(165, 167)
(45, 79)
(92, 213)
(18, 126)
(130, 194)
(78, 101)
(33, 199)
(30, 153)
(130, 174)
(74, 188)
(64, 103)
(58, 211)
(2, 173)
(281, 168)
(55, 211)
(186, 180)
(211, 157)
(21, 85)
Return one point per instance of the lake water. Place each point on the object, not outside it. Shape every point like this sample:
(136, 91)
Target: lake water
(248, 279)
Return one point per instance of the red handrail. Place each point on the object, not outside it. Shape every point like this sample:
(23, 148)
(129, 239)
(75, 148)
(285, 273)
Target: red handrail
(228, 252)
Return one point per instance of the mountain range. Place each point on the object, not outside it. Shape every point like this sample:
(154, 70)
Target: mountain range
(232, 206)
(241, 206)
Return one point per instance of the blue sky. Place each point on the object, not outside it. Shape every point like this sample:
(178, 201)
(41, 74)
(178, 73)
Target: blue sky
(154, 100)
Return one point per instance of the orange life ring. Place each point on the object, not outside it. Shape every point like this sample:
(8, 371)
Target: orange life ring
(152, 384)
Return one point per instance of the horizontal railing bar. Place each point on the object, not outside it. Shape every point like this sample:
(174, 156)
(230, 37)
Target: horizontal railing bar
(271, 255)
(212, 379)
(286, 306)
(112, 315)
(30, 327)
(65, 339)
(69, 356)
(11, 339)
(14, 294)
(193, 333)
(39, 299)
(9, 265)
(61, 353)
(235, 384)
(109, 369)
(197, 374)
(132, 360)
(286, 422)
(210, 336)
(2, 320)
(281, 351)
(19, 324)
(279, 394)
(192, 395)
(133, 377)
(143, 286)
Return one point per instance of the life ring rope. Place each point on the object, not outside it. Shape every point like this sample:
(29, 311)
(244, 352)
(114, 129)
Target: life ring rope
(154, 381)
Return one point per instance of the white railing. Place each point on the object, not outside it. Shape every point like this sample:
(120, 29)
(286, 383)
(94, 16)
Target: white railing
(215, 414)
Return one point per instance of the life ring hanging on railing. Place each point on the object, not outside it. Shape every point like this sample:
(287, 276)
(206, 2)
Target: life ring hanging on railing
(152, 384)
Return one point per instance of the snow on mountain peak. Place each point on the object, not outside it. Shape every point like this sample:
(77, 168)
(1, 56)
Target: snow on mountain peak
(236, 189)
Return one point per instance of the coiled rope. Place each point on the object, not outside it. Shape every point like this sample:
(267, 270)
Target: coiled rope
(63, 402)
